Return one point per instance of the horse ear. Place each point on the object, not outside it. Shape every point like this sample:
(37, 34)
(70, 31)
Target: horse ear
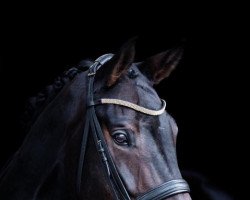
(118, 64)
(160, 66)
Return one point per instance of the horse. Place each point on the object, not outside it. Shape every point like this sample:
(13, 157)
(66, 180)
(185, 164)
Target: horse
(101, 132)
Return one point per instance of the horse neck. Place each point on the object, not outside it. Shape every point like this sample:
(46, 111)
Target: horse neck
(46, 149)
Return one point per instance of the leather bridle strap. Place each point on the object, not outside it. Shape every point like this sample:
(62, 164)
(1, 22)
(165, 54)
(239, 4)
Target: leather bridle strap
(108, 164)
(165, 190)
(92, 125)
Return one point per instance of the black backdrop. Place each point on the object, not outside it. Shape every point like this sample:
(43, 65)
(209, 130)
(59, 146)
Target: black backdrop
(203, 93)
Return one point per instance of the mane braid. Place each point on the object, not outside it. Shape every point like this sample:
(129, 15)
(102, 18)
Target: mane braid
(36, 104)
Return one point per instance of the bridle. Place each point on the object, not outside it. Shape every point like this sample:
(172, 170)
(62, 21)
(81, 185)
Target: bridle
(92, 125)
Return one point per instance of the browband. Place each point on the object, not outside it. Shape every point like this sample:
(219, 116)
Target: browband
(133, 106)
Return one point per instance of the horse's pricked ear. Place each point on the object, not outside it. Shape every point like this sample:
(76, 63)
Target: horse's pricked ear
(119, 64)
(159, 66)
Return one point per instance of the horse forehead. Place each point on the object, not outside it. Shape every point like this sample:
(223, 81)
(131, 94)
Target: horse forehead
(136, 90)
(147, 96)
(145, 89)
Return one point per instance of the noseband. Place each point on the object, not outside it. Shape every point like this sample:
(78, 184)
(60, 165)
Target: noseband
(165, 190)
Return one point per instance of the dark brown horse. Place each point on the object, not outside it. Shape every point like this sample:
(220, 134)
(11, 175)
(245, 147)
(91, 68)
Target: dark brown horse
(104, 135)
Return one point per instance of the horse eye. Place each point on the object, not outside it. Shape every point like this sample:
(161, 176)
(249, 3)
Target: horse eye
(120, 138)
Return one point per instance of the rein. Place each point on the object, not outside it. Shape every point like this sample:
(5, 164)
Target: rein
(92, 125)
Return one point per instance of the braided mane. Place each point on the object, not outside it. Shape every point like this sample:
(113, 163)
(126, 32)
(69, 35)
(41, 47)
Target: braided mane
(36, 104)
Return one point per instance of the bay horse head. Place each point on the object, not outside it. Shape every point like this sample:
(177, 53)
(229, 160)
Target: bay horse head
(106, 135)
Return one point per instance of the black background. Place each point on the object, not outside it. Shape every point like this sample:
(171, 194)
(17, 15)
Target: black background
(204, 93)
